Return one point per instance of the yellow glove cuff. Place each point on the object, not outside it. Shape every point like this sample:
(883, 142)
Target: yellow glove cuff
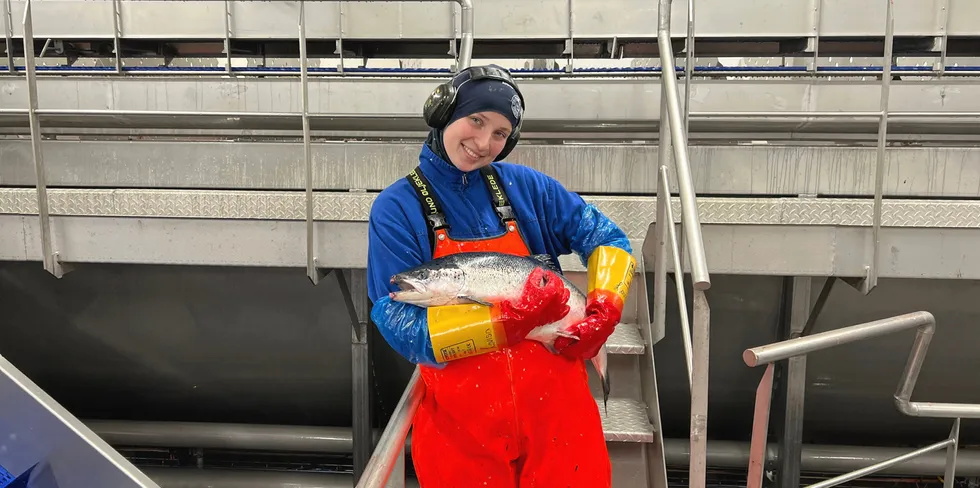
(459, 331)
(611, 271)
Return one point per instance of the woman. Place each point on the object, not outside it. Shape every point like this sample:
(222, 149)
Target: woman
(518, 416)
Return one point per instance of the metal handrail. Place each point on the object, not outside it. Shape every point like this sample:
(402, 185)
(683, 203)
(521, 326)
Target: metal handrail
(685, 183)
(663, 189)
(925, 324)
(392, 442)
(673, 132)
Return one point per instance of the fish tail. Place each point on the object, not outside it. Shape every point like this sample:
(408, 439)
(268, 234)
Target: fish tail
(605, 393)
(601, 367)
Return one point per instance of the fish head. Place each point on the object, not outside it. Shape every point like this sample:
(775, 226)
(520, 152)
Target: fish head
(428, 286)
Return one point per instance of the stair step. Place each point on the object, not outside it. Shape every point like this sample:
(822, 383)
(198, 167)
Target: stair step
(625, 339)
(626, 421)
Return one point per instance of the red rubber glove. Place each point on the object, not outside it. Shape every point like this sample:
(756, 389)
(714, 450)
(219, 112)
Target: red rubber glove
(543, 301)
(601, 318)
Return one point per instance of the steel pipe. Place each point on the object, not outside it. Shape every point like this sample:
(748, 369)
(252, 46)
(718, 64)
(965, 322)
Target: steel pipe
(780, 114)
(668, 222)
(466, 28)
(923, 321)
(874, 468)
(392, 442)
(689, 209)
(284, 438)
(829, 458)
(822, 458)
(860, 473)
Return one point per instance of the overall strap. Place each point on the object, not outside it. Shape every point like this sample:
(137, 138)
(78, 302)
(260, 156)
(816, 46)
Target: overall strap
(500, 201)
(431, 206)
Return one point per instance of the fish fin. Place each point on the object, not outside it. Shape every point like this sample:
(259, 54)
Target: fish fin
(474, 300)
(546, 261)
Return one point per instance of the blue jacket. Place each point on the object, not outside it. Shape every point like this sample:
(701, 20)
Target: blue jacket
(554, 221)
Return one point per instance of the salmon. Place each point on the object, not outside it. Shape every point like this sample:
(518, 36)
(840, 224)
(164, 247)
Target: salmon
(487, 277)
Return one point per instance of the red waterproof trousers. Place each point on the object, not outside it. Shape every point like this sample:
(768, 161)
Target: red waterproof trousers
(521, 417)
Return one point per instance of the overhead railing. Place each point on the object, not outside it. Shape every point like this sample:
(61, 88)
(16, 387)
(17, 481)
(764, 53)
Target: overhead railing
(925, 324)
(673, 135)
(50, 256)
(870, 280)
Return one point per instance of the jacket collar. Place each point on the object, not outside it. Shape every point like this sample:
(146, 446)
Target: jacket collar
(438, 170)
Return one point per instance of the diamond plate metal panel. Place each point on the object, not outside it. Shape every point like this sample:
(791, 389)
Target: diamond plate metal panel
(626, 421)
(733, 210)
(625, 339)
(634, 214)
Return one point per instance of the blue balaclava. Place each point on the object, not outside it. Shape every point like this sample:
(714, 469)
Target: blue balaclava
(479, 96)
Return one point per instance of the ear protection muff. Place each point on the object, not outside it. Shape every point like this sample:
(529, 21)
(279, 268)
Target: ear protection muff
(441, 103)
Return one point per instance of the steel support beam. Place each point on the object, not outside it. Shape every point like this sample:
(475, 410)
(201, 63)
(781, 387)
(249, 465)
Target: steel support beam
(886, 83)
(792, 379)
(353, 285)
(311, 262)
(49, 256)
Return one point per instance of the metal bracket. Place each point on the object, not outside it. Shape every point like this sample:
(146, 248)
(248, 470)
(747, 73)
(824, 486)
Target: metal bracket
(861, 284)
(811, 320)
(356, 311)
(951, 450)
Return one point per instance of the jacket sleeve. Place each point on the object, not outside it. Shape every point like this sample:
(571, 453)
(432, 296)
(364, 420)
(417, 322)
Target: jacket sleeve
(392, 248)
(579, 226)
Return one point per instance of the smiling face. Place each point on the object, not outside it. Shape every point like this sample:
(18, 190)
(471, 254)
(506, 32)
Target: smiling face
(474, 141)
